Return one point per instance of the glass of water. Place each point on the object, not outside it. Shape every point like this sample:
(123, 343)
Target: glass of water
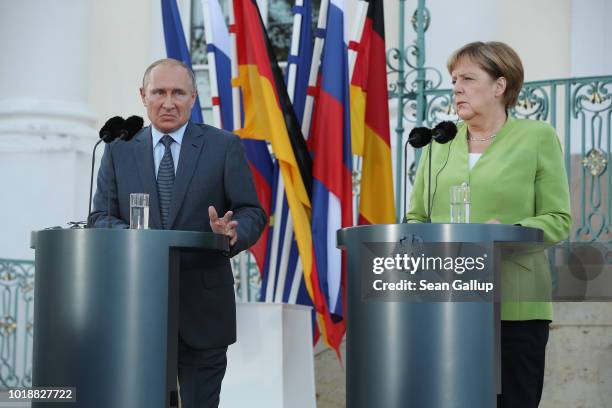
(460, 204)
(139, 211)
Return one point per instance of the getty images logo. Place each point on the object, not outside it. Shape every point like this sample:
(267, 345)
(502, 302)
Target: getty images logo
(412, 264)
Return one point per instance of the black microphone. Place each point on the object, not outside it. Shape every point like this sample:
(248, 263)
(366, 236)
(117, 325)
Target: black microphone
(108, 132)
(420, 137)
(125, 131)
(444, 132)
(130, 127)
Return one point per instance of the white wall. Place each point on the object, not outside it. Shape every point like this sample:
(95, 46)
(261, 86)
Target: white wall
(591, 37)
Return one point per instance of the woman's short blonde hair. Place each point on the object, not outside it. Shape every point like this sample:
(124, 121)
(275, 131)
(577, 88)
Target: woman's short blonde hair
(498, 60)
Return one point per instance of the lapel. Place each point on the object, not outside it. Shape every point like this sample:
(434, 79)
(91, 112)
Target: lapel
(461, 145)
(143, 156)
(490, 151)
(188, 160)
(450, 162)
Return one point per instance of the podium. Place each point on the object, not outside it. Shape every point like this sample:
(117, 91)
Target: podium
(105, 314)
(408, 354)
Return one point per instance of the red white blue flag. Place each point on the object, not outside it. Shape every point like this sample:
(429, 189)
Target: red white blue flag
(330, 144)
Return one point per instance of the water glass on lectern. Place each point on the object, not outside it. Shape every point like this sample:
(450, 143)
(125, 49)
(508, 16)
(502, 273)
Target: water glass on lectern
(460, 204)
(139, 211)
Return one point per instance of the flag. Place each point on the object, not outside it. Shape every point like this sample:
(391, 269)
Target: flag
(370, 121)
(176, 45)
(275, 286)
(268, 115)
(282, 271)
(283, 280)
(262, 169)
(302, 59)
(218, 46)
(332, 200)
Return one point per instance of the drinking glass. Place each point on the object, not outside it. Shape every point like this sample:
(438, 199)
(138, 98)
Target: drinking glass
(139, 211)
(460, 204)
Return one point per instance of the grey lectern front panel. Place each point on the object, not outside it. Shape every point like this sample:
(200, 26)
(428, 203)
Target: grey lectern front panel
(423, 355)
(105, 314)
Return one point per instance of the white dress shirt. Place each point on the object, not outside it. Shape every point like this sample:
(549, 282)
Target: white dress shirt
(473, 158)
(159, 148)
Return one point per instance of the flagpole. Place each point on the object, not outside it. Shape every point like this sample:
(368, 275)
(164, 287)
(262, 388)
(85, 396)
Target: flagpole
(278, 203)
(212, 66)
(280, 191)
(295, 44)
(244, 276)
(234, 63)
(314, 67)
(296, 283)
(362, 10)
(284, 260)
(360, 16)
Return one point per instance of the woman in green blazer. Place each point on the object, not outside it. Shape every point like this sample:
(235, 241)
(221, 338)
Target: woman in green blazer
(516, 175)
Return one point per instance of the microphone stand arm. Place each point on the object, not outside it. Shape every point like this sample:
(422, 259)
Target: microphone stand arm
(93, 163)
(429, 183)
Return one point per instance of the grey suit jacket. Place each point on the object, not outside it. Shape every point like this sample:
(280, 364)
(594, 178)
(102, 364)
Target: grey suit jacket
(212, 170)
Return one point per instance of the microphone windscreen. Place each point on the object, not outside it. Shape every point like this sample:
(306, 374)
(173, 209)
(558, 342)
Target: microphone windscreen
(419, 137)
(131, 126)
(444, 132)
(110, 130)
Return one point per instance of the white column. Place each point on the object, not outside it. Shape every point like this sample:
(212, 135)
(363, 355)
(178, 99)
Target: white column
(46, 126)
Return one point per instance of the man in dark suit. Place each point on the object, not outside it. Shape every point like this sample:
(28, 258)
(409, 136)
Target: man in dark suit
(190, 172)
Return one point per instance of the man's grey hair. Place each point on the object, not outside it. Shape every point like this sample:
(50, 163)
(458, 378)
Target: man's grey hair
(169, 61)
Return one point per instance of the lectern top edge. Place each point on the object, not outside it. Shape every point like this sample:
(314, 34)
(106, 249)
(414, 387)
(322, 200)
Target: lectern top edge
(443, 232)
(173, 238)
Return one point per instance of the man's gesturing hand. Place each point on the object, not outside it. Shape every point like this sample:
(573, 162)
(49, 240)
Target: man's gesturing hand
(223, 226)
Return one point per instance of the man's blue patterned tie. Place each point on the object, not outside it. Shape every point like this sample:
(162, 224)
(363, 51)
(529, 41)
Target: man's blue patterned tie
(165, 180)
